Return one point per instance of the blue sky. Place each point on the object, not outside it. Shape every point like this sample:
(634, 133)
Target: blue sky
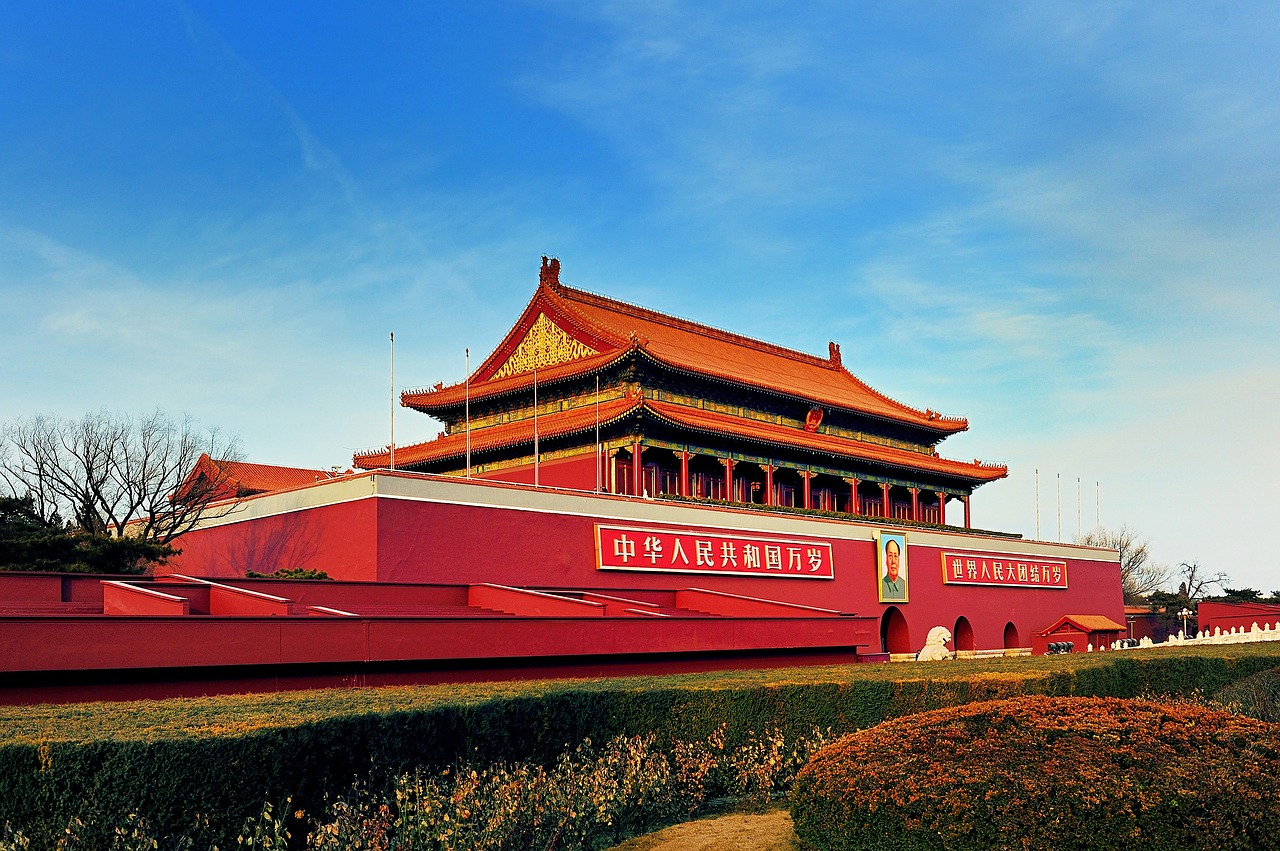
(1058, 220)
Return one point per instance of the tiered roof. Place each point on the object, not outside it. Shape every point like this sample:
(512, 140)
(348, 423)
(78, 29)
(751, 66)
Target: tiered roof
(611, 329)
(566, 333)
(583, 421)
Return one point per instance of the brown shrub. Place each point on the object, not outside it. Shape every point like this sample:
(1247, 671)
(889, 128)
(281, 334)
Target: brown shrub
(1045, 772)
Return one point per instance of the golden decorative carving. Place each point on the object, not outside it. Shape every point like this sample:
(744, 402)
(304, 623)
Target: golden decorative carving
(545, 344)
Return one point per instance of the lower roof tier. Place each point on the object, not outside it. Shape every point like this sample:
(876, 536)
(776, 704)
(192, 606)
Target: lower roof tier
(638, 412)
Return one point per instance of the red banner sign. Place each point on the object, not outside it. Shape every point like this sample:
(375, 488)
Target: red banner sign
(1011, 571)
(667, 550)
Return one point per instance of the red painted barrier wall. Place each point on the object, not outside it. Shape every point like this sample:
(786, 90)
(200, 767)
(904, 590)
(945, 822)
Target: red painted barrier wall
(529, 543)
(1241, 616)
(338, 539)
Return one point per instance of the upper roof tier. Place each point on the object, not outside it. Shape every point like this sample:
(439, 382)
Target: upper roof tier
(565, 333)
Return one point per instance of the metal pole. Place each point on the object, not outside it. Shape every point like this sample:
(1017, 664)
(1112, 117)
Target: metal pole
(1037, 503)
(597, 434)
(1059, 508)
(393, 400)
(468, 409)
(536, 482)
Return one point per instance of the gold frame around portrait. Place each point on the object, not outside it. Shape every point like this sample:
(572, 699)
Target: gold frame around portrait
(883, 537)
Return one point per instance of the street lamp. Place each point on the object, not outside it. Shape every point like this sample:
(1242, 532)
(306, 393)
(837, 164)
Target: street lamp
(1184, 614)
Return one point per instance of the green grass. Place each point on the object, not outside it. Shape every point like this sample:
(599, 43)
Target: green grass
(195, 718)
(222, 757)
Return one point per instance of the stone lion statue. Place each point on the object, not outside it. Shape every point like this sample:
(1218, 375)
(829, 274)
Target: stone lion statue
(935, 645)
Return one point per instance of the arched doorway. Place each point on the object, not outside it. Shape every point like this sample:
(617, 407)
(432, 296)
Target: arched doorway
(962, 635)
(894, 637)
(1011, 637)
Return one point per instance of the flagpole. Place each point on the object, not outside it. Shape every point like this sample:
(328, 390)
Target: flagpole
(1059, 508)
(597, 434)
(468, 409)
(536, 483)
(1037, 503)
(393, 401)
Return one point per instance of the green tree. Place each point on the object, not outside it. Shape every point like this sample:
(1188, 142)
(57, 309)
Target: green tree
(31, 542)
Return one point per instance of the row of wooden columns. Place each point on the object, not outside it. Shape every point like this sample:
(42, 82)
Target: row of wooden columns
(637, 473)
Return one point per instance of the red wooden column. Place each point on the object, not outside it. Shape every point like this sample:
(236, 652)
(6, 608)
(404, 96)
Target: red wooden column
(884, 499)
(728, 478)
(684, 473)
(967, 524)
(768, 484)
(807, 475)
(637, 470)
(854, 508)
(915, 503)
(942, 508)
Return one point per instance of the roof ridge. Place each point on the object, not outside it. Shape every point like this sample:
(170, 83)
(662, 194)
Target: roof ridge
(570, 293)
(833, 361)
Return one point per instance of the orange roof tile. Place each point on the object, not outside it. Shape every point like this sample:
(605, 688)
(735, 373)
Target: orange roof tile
(779, 435)
(238, 478)
(615, 328)
(581, 419)
(498, 436)
(262, 478)
(1090, 623)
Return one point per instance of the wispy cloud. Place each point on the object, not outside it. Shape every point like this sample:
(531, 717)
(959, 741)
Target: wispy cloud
(316, 156)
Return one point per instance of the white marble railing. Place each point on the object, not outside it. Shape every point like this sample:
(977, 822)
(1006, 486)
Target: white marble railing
(1266, 632)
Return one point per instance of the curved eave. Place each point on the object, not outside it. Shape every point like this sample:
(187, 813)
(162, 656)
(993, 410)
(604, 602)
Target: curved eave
(455, 395)
(586, 308)
(952, 426)
(507, 435)
(712, 423)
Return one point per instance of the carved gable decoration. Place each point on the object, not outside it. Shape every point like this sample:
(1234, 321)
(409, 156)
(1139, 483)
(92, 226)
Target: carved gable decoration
(545, 344)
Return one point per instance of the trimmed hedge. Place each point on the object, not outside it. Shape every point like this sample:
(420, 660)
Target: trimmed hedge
(168, 761)
(1046, 772)
(1257, 696)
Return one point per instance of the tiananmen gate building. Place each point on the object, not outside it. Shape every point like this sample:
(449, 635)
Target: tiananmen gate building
(616, 490)
(626, 400)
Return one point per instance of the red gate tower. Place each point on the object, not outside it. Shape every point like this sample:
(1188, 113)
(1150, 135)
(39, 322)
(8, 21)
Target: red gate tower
(683, 410)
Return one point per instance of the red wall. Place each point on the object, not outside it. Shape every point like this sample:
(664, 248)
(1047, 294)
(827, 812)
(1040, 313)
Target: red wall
(573, 473)
(404, 540)
(1242, 616)
(339, 539)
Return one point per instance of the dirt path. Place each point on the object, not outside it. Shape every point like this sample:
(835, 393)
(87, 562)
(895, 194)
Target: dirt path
(768, 831)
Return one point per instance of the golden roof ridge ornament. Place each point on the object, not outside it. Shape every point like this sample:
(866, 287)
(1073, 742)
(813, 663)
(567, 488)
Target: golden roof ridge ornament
(549, 276)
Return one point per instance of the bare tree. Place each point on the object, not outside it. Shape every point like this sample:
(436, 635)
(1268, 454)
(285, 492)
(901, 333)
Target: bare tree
(1196, 579)
(114, 475)
(1139, 576)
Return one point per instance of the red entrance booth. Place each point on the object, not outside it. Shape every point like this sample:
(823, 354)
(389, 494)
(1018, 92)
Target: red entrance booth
(1081, 630)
